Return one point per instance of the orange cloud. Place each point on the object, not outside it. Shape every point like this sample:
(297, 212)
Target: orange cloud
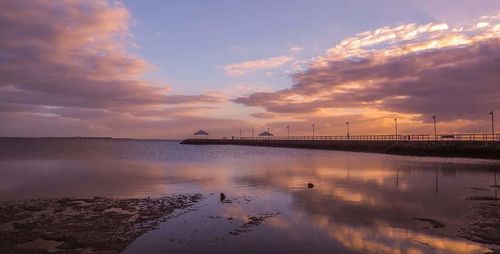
(409, 70)
(239, 69)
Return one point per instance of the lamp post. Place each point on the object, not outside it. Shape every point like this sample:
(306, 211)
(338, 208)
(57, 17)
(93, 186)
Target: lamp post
(252, 132)
(435, 129)
(396, 126)
(240, 133)
(313, 130)
(288, 132)
(492, 124)
(347, 124)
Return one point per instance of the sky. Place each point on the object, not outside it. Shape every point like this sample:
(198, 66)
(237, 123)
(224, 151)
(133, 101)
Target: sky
(164, 69)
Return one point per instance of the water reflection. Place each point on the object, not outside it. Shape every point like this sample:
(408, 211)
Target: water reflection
(385, 239)
(495, 185)
(360, 203)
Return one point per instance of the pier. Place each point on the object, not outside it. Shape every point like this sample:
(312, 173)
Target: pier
(486, 146)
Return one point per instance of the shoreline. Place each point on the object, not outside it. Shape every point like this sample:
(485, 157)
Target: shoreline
(461, 149)
(88, 138)
(84, 225)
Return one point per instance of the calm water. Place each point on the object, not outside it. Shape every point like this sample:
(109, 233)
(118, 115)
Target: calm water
(361, 203)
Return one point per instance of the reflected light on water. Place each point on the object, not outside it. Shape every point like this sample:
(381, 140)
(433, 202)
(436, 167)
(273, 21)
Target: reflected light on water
(385, 239)
(360, 203)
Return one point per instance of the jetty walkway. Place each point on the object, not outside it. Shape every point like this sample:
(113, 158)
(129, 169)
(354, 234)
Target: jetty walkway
(485, 146)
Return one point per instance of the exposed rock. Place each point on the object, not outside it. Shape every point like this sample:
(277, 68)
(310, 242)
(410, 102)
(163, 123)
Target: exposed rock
(97, 225)
(253, 221)
(482, 223)
(479, 189)
(434, 223)
(484, 198)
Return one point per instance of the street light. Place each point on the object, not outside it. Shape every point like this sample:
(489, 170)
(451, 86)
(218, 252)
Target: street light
(240, 133)
(435, 129)
(347, 124)
(288, 132)
(252, 132)
(313, 130)
(493, 124)
(396, 126)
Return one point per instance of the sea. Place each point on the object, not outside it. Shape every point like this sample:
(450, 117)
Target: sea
(308, 201)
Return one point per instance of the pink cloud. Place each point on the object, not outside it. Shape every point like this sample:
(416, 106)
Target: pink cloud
(418, 70)
(65, 65)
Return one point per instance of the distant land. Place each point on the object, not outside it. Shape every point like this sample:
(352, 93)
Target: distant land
(89, 137)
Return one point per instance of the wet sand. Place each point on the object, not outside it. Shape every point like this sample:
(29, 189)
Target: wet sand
(483, 223)
(480, 224)
(71, 225)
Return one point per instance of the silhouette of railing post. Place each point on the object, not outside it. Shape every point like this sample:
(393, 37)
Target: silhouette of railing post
(435, 129)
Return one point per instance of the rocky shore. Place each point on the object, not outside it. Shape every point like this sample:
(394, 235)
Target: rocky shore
(72, 225)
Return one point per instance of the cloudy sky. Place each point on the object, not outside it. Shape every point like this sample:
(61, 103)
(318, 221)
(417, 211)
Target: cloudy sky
(164, 69)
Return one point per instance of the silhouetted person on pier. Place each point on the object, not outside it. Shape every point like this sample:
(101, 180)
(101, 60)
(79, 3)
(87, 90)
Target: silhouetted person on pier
(222, 197)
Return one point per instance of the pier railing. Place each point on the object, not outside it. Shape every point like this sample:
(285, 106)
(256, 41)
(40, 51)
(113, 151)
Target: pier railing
(411, 137)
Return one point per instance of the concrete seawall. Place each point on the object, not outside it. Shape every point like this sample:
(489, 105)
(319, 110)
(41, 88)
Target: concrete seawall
(467, 149)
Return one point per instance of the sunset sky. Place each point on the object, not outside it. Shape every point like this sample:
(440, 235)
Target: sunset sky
(164, 69)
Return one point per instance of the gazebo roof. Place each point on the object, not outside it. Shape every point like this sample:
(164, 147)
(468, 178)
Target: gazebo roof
(201, 132)
(266, 134)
